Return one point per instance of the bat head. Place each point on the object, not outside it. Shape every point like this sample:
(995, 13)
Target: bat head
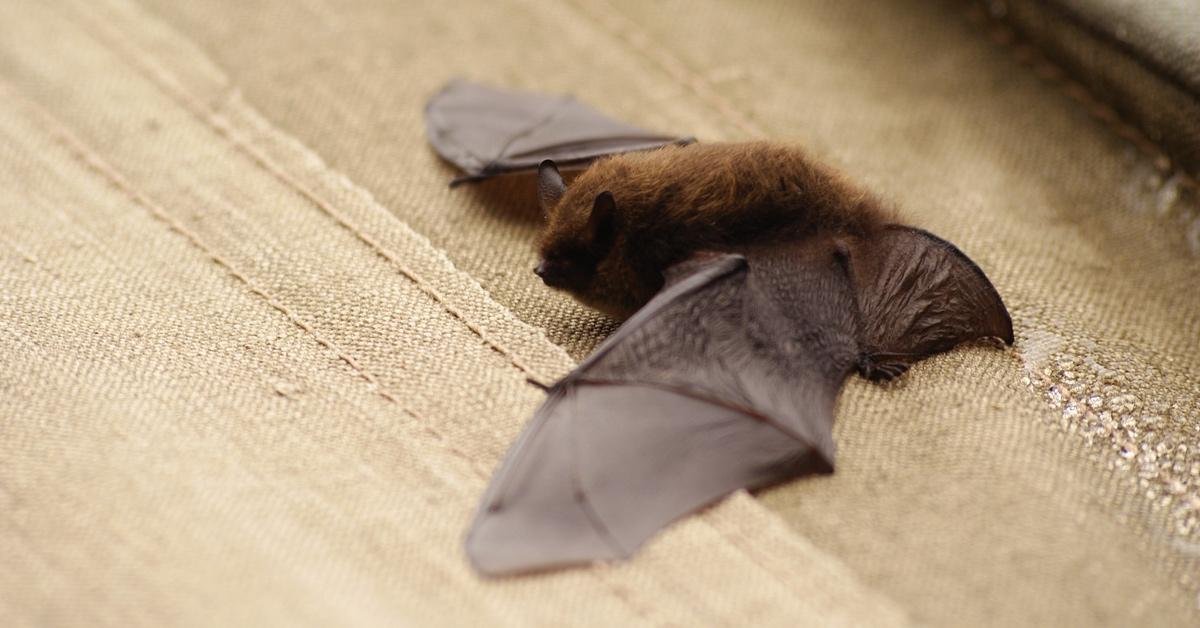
(580, 233)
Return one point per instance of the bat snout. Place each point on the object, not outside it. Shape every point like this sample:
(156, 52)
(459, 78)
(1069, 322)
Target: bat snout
(553, 274)
(550, 273)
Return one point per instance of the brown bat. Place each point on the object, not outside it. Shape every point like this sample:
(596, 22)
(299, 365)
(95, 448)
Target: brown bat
(757, 280)
(611, 236)
(768, 281)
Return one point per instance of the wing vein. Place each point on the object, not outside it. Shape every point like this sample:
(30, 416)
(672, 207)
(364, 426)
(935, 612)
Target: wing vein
(581, 497)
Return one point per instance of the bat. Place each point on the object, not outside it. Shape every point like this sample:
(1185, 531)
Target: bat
(755, 280)
(770, 280)
(611, 254)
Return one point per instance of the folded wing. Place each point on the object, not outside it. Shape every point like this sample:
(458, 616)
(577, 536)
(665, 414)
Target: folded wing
(487, 131)
(919, 295)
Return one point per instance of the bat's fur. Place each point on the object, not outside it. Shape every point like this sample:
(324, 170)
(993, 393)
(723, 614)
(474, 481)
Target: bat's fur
(677, 200)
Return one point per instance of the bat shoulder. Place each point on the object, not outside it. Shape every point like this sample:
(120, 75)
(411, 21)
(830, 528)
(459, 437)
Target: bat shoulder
(702, 262)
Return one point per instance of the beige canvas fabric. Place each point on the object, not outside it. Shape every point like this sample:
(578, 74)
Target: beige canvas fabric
(239, 392)
(259, 362)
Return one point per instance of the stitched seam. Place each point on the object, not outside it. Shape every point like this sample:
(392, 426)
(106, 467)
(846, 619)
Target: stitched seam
(93, 162)
(1125, 48)
(625, 30)
(619, 592)
(1029, 55)
(162, 80)
(78, 150)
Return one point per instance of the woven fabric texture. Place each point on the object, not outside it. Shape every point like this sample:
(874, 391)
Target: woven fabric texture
(239, 392)
(257, 362)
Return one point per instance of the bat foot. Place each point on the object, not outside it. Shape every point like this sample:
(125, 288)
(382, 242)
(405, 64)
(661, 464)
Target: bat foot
(877, 370)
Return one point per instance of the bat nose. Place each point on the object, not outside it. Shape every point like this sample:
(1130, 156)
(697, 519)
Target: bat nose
(551, 273)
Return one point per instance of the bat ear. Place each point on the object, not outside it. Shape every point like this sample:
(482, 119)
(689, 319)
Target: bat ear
(550, 186)
(602, 224)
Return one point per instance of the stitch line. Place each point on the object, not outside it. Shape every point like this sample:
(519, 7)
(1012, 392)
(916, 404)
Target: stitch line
(81, 153)
(213, 120)
(619, 592)
(78, 150)
(1029, 55)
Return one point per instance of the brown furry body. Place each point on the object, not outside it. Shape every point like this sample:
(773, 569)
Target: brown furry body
(675, 201)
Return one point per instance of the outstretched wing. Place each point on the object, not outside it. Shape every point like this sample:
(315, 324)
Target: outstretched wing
(487, 131)
(919, 295)
(726, 380)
